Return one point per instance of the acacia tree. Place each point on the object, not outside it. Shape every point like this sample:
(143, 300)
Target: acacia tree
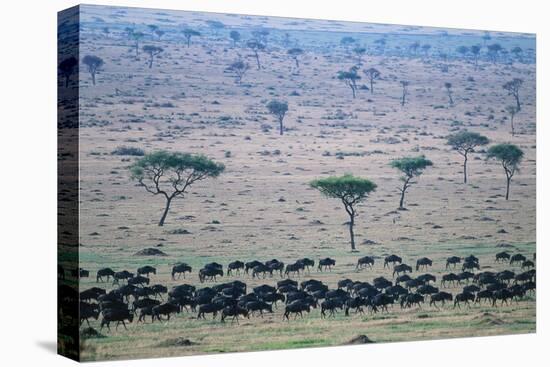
(510, 156)
(448, 87)
(67, 68)
(152, 51)
(171, 174)
(359, 52)
(350, 78)
(294, 53)
(350, 190)
(159, 33)
(513, 87)
(188, 33)
(137, 36)
(475, 50)
(235, 36)
(256, 47)
(517, 51)
(414, 47)
(411, 167)
(372, 74)
(462, 50)
(239, 68)
(405, 91)
(94, 63)
(493, 52)
(278, 109)
(347, 41)
(512, 110)
(465, 142)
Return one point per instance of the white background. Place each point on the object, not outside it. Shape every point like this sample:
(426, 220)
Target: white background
(28, 181)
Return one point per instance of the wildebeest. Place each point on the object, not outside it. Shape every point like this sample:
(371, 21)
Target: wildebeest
(165, 309)
(264, 288)
(466, 276)
(122, 275)
(83, 273)
(484, 295)
(527, 264)
(144, 302)
(275, 265)
(212, 308)
(423, 263)
(464, 297)
(365, 261)
(440, 297)
(297, 308)
(234, 312)
(382, 283)
(453, 260)
(235, 266)
(138, 280)
(426, 278)
(286, 283)
(517, 258)
(258, 306)
(503, 295)
(87, 311)
(331, 305)
(306, 263)
(118, 315)
(325, 264)
(401, 268)
(146, 270)
(505, 276)
(427, 290)
(250, 265)
(402, 278)
(502, 256)
(294, 268)
(260, 269)
(469, 265)
(451, 277)
(272, 298)
(392, 259)
(381, 301)
(356, 303)
(91, 293)
(411, 299)
(209, 273)
(180, 269)
(471, 289)
(105, 272)
(159, 290)
(471, 258)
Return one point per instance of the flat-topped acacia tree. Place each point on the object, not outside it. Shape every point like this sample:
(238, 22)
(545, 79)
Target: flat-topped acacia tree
(350, 78)
(152, 51)
(411, 167)
(171, 174)
(239, 69)
(278, 109)
(372, 74)
(294, 53)
(188, 33)
(510, 156)
(465, 142)
(350, 190)
(256, 47)
(67, 67)
(512, 110)
(94, 63)
(513, 87)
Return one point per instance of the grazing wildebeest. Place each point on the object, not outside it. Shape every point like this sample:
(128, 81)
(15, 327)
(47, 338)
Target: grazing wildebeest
(527, 264)
(258, 306)
(452, 278)
(423, 263)
(502, 256)
(294, 268)
(87, 311)
(517, 258)
(233, 312)
(159, 290)
(426, 278)
(464, 297)
(138, 280)
(105, 272)
(306, 263)
(235, 266)
(401, 268)
(469, 265)
(503, 295)
(325, 264)
(296, 307)
(260, 269)
(453, 260)
(411, 299)
(83, 273)
(440, 297)
(209, 273)
(122, 275)
(146, 270)
(250, 265)
(485, 294)
(275, 265)
(92, 293)
(180, 269)
(365, 261)
(212, 308)
(392, 259)
(118, 315)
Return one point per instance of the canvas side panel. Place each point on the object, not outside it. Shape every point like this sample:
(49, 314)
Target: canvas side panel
(67, 184)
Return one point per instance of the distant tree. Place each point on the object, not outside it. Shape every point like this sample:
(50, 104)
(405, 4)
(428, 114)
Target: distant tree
(347, 41)
(405, 91)
(359, 52)
(105, 31)
(294, 53)
(513, 87)
(372, 74)
(261, 36)
(475, 50)
(278, 109)
(414, 47)
(67, 68)
(153, 28)
(448, 87)
(517, 51)
(159, 33)
(256, 47)
(348, 189)
(235, 36)
(512, 110)
(171, 174)
(462, 50)
(411, 167)
(216, 26)
(94, 64)
(137, 37)
(350, 78)
(426, 48)
(465, 142)
(510, 157)
(239, 68)
(188, 33)
(129, 31)
(152, 51)
(493, 51)
(381, 44)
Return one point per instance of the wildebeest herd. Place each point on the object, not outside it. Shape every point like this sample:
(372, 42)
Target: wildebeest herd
(135, 297)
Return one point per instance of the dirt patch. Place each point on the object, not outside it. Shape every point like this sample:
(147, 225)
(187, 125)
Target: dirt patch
(359, 339)
(150, 252)
(489, 319)
(177, 342)
(91, 333)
